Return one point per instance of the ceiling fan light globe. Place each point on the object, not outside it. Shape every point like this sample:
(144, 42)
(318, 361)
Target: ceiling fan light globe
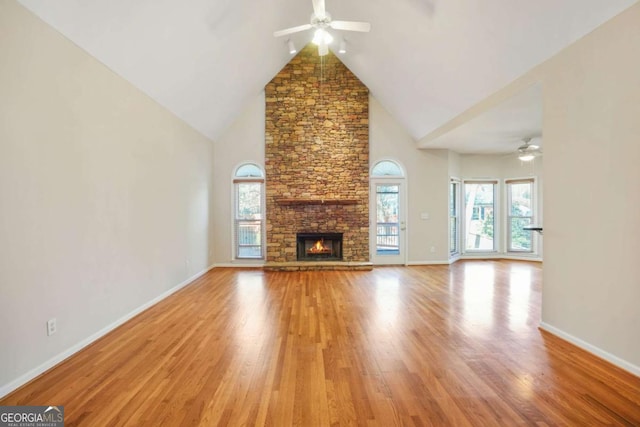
(321, 37)
(328, 38)
(526, 157)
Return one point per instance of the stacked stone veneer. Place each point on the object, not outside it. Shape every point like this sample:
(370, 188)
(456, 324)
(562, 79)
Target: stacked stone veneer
(317, 148)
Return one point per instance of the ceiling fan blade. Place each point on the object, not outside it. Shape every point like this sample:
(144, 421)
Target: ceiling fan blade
(291, 30)
(528, 147)
(364, 27)
(318, 9)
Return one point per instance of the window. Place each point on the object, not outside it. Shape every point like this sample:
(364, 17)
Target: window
(248, 206)
(479, 225)
(387, 222)
(454, 217)
(386, 168)
(519, 215)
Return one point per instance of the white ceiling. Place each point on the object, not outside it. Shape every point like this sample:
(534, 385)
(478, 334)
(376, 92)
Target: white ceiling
(499, 130)
(426, 61)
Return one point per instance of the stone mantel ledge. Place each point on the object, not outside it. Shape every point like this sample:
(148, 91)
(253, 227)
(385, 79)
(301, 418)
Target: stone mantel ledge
(303, 202)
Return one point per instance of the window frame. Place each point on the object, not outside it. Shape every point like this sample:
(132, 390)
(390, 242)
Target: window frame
(400, 178)
(455, 201)
(394, 227)
(508, 217)
(236, 220)
(496, 216)
(375, 175)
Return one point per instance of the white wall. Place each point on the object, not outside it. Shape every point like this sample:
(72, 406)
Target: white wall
(455, 165)
(591, 109)
(427, 182)
(481, 166)
(104, 197)
(242, 142)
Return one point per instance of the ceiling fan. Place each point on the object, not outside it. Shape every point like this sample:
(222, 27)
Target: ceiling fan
(528, 151)
(321, 21)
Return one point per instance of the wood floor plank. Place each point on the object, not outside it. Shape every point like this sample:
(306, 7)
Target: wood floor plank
(424, 346)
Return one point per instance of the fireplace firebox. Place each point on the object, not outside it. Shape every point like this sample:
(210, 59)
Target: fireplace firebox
(319, 246)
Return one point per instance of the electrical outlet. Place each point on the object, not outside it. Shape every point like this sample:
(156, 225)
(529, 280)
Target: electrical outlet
(433, 249)
(52, 327)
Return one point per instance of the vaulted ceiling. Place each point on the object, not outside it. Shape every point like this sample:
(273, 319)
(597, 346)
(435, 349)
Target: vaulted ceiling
(426, 61)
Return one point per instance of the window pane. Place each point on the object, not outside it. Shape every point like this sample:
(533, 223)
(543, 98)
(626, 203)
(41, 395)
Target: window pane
(386, 168)
(387, 227)
(249, 171)
(520, 195)
(479, 216)
(453, 218)
(249, 201)
(520, 199)
(249, 233)
(249, 252)
(388, 208)
(520, 239)
(453, 235)
(249, 238)
(453, 196)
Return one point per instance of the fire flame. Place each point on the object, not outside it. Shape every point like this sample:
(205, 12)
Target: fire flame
(319, 247)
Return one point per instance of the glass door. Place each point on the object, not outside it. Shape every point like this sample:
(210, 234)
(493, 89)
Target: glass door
(389, 226)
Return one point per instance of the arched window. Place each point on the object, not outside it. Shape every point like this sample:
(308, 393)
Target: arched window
(249, 170)
(248, 183)
(386, 169)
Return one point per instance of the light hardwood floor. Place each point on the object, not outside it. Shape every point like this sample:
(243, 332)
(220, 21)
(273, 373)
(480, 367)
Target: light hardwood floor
(435, 345)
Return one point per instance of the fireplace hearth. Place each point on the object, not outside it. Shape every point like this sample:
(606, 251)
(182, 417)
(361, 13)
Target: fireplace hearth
(319, 246)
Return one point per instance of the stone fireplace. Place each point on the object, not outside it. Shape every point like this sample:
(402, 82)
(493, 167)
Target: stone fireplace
(316, 162)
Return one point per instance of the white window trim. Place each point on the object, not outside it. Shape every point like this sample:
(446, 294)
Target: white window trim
(403, 180)
(536, 218)
(497, 217)
(458, 181)
(234, 178)
(387, 159)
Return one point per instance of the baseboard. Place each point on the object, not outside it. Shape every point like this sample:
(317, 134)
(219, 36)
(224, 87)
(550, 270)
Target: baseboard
(615, 360)
(479, 257)
(482, 256)
(521, 258)
(239, 265)
(502, 256)
(20, 381)
(428, 263)
(409, 263)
